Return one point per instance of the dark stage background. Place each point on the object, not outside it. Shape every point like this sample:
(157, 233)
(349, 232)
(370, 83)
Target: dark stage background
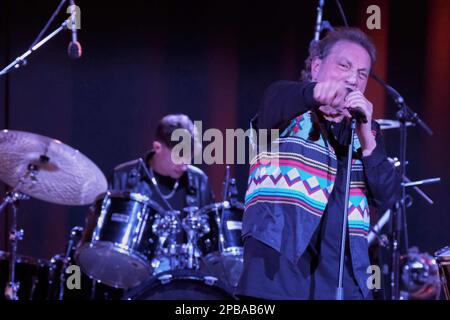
(211, 60)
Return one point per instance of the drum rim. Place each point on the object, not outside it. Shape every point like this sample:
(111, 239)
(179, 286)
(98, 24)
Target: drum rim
(135, 196)
(178, 274)
(138, 197)
(234, 252)
(116, 248)
(438, 254)
(222, 205)
(5, 255)
(142, 259)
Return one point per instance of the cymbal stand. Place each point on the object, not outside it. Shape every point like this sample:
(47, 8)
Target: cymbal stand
(12, 198)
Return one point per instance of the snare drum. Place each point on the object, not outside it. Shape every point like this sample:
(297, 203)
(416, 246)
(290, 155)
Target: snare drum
(31, 274)
(181, 285)
(117, 251)
(443, 261)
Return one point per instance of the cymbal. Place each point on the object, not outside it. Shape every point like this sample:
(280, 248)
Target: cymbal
(386, 124)
(63, 174)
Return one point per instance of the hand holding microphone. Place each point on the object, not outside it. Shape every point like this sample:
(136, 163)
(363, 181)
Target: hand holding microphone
(330, 93)
(331, 97)
(339, 101)
(358, 106)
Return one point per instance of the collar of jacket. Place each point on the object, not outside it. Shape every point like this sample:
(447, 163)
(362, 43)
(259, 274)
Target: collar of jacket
(191, 187)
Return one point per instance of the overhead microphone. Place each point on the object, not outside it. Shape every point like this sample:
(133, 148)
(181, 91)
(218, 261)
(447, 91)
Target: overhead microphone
(74, 49)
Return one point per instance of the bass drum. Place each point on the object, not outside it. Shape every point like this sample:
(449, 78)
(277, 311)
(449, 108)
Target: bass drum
(443, 261)
(31, 274)
(181, 285)
(89, 289)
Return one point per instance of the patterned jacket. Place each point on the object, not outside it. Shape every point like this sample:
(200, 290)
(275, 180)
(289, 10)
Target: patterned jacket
(288, 190)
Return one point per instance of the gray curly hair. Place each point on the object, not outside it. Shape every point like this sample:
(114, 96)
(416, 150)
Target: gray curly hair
(322, 48)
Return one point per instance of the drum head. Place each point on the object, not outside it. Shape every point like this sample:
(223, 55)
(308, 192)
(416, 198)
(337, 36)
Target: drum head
(181, 285)
(228, 268)
(113, 266)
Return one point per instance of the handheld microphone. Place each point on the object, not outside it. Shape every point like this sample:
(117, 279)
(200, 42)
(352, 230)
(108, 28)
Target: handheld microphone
(74, 49)
(357, 113)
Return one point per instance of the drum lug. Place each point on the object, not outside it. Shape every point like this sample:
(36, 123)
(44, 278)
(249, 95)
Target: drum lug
(11, 290)
(165, 278)
(16, 236)
(210, 281)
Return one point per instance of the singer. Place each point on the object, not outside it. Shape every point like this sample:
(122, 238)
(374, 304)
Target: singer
(293, 206)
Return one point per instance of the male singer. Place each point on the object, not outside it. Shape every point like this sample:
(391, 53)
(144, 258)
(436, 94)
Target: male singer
(294, 205)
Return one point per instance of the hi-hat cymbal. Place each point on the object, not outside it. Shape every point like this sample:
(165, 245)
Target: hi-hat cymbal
(386, 124)
(63, 175)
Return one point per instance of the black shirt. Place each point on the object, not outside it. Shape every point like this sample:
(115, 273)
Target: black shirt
(166, 185)
(177, 202)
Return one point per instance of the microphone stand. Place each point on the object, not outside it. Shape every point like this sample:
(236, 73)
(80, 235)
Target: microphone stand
(21, 60)
(340, 287)
(398, 218)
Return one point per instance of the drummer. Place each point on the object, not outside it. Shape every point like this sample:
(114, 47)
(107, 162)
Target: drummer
(171, 184)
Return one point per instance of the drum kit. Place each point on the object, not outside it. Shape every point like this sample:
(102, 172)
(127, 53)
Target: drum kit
(128, 249)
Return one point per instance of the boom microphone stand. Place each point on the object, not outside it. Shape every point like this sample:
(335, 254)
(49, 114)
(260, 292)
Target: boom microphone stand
(21, 60)
(13, 197)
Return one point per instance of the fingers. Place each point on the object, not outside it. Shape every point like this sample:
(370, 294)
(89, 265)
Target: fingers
(331, 114)
(336, 101)
(329, 111)
(356, 99)
(339, 97)
(331, 93)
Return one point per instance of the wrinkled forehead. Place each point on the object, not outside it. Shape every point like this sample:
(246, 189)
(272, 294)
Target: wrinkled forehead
(352, 52)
